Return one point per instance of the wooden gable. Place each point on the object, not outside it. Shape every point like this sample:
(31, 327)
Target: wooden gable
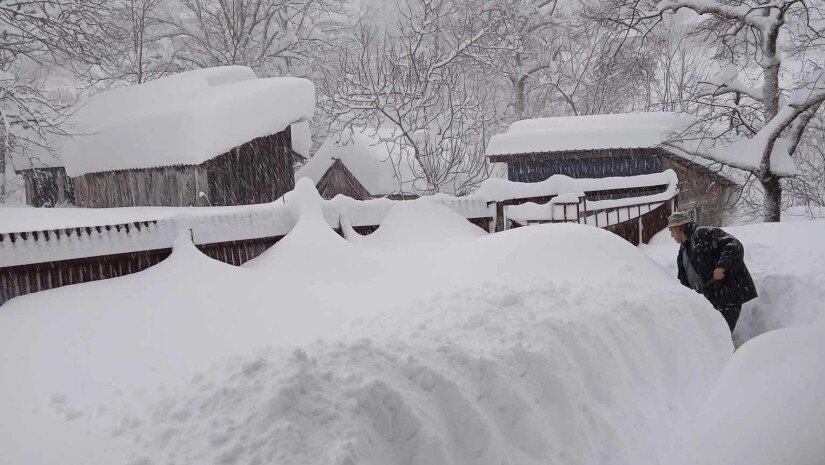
(340, 180)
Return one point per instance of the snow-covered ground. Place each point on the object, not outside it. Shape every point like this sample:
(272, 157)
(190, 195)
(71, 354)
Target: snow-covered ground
(428, 342)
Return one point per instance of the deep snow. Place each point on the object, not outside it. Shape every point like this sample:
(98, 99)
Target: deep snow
(542, 344)
(768, 406)
(428, 342)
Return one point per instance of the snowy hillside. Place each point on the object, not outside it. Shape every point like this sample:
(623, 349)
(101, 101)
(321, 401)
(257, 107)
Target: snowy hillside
(548, 344)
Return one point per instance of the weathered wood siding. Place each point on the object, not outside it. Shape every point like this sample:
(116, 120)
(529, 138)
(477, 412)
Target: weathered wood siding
(586, 164)
(172, 186)
(48, 187)
(26, 279)
(259, 171)
(339, 180)
(700, 189)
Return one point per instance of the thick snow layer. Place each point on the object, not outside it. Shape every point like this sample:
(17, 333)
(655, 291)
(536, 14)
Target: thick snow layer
(787, 262)
(495, 189)
(376, 157)
(768, 407)
(590, 132)
(183, 119)
(301, 134)
(747, 153)
(556, 343)
(417, 221)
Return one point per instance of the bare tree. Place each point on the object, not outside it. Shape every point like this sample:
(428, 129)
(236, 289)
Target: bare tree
(134, 47)
(763, 123)
(523, 43)
(271, 36)
(415, 81)
(38, 33)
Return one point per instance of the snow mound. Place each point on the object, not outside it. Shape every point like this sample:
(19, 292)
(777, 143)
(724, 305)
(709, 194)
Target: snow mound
(787, 263)
(541, 344)
(768, 406)
(183, 119)
(590, 132)
(421, 221)
(538, 373)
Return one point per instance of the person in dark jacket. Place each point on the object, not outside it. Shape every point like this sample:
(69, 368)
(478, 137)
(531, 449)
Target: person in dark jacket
(712, 262)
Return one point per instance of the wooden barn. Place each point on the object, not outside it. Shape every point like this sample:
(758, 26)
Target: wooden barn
(215, 136)
(46, 182)
(599, 146)
(366, 164)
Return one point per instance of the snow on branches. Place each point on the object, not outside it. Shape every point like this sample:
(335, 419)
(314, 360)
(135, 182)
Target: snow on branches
(777, 40)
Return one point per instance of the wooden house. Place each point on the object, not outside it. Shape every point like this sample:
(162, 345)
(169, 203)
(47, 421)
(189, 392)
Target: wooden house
(216, 136)
(598, 146)
(45, 183)
(45, 186)
(366, 164)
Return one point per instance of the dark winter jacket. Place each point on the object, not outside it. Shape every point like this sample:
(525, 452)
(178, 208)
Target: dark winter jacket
(711, 248)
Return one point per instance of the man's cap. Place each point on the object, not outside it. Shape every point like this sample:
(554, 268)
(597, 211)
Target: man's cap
(678, 219)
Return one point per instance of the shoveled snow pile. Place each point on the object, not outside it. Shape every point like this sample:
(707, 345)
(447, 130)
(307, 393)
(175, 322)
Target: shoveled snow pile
(787, 262)
(768, 407)
(548, 344)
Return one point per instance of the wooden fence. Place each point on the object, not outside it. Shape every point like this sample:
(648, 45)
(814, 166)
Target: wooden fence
(33, 261)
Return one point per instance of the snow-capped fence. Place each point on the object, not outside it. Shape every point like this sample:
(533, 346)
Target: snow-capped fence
(30, 261)
(634, 207)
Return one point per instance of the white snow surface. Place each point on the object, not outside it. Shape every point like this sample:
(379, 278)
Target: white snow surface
(787, 263)
(183, 119)
(589, 132)
(377, 158)
(496, 189)
(553, 343)
(768, 406)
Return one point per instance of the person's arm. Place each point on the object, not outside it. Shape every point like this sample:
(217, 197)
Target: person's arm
(682, 273)
(731, 251)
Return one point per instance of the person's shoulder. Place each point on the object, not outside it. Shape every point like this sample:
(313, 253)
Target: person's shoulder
(706, 231)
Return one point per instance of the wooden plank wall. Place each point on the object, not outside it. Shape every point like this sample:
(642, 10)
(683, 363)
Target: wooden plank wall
(48, 187)
(339, 180)
(26, 279)
(174, 186)
(259, 171)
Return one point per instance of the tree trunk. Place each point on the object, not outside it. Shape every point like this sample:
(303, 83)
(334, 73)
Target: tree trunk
(518, 87)
(773, 198)
(3, 155)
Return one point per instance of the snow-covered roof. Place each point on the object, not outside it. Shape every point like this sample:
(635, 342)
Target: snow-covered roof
(183, 119)
(590, 132)
(377, 158)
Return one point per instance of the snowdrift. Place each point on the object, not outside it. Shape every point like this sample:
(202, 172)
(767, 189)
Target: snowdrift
(554, 343)
(752, 418)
